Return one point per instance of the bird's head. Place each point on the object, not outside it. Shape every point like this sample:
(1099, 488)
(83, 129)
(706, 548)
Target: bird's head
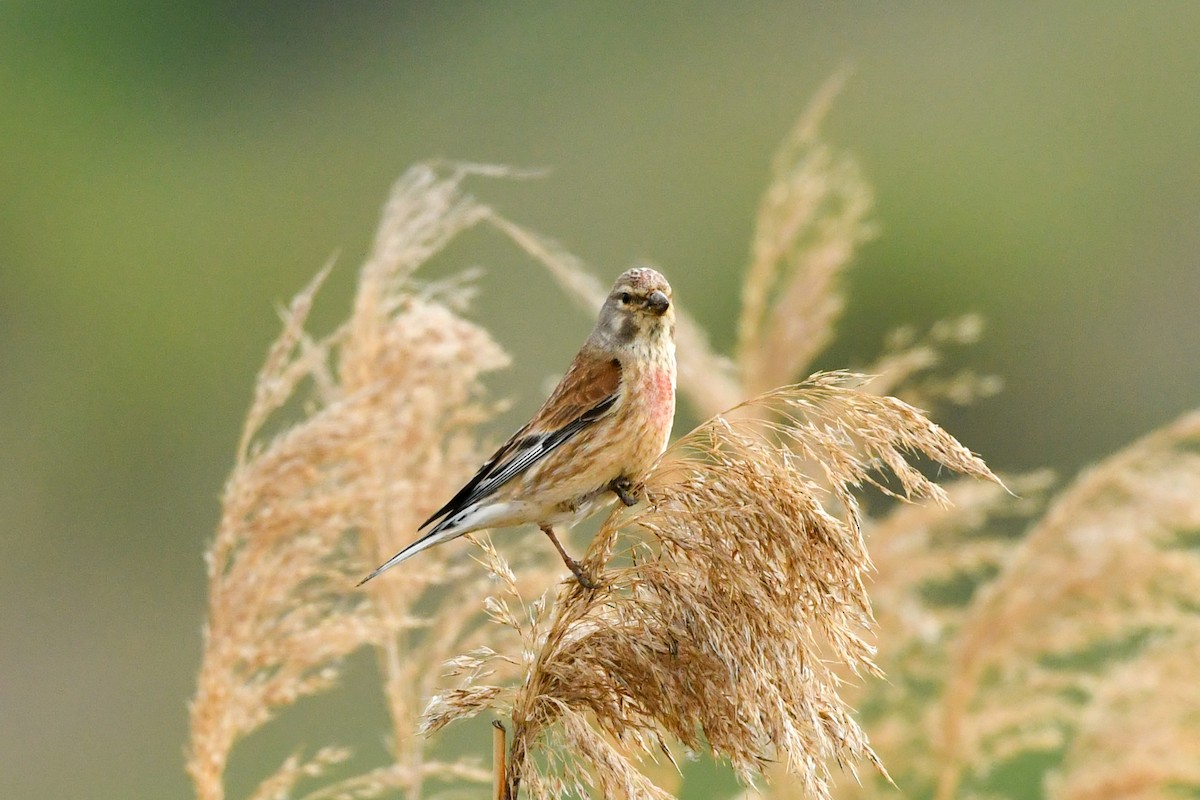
(638, 309)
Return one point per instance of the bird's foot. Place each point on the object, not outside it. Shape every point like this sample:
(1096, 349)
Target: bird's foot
(576, 568)
(625, 490)
(580, 575)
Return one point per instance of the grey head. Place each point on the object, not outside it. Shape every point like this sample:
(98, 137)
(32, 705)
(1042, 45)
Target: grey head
(637, 309)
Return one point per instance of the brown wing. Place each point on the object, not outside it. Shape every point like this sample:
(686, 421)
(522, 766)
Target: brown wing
(585, 394)
(589, 380)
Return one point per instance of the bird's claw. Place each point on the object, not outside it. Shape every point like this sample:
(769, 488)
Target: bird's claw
(580, 575)
(625, 490)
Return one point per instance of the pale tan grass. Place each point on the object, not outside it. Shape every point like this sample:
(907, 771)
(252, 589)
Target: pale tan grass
(811, 219)
(1110, 562)
(733, 615)
(746, 587)
(1137, 737)
(908, 365)
(388, 430)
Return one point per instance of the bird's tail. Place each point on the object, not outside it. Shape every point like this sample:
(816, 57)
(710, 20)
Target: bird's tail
(440, 533)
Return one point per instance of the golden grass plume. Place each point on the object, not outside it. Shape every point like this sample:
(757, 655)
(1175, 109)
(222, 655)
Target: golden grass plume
(743, 584)
(352, 437)
(392, 403)
(1099, 595)
(736, 606)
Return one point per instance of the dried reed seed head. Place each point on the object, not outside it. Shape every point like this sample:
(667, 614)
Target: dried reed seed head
(721, 631)
(810, 221)
(1139, 730)
(1101, 570)
(725, 554)
(391, 427)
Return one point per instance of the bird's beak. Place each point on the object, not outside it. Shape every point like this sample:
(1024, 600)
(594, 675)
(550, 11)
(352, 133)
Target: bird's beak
(658, 302)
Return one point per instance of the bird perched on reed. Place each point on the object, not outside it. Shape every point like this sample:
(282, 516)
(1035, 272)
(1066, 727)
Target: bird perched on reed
(592, 441)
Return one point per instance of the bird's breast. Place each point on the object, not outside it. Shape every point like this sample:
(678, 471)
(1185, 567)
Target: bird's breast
(651, 409)
(659, 392)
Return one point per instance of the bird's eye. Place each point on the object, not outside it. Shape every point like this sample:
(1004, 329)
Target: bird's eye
(625, 298)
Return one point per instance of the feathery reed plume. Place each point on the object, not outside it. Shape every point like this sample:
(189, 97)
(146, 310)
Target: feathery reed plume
(388, 431)
(1137, 738)
(1111, 567)
(905, 367)
(746, 583)
(928, 559)
(811, 218)
(732, 613)
(810, 221)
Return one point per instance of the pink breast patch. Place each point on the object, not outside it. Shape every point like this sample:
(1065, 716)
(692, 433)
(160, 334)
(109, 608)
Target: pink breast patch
(660, 397)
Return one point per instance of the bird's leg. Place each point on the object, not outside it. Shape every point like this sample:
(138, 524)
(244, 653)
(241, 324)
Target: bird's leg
(571, 563)
(624, 489)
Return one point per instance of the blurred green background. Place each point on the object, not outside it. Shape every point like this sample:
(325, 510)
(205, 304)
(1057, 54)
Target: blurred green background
(171, 171)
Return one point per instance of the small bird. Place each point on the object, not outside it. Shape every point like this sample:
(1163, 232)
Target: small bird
(592, 441)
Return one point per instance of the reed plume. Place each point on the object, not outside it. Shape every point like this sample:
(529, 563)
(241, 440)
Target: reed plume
(392, 404)
(738, 608)
(1098, 596)
(740, 584)
(939, 721)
